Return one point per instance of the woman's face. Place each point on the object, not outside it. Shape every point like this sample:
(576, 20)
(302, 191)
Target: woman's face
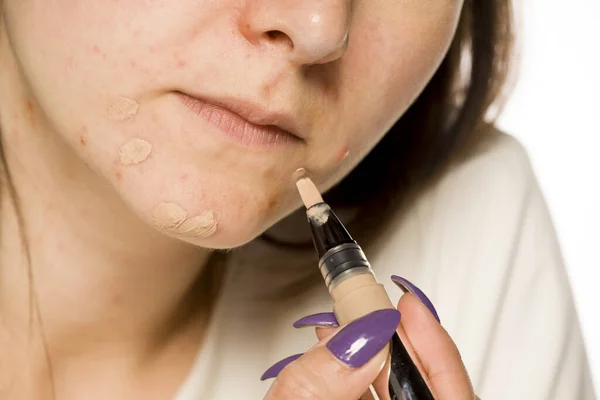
(198, 112)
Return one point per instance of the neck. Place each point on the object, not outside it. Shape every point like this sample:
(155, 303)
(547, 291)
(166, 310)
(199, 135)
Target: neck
(98, 276)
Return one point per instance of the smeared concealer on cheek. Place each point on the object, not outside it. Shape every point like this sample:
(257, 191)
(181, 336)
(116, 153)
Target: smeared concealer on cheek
(202, 226)
(135, 151)
(168, 215)
(122, 108)
(173, 218)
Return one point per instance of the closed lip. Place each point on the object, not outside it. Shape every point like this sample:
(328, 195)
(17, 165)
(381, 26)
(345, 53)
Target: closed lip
(251, 112)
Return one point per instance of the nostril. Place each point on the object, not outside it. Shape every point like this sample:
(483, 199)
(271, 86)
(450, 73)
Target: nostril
(278, 37)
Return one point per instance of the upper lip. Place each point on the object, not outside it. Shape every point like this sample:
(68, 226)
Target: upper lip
(254, 113)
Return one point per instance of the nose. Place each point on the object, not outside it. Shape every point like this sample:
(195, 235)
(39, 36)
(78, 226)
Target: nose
(307, 31)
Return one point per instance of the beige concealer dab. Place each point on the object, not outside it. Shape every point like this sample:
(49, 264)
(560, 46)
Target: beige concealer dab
(122, 108)
(319, 213)
(201, 226)
(168, 215)
(173, 218)
(135, 151)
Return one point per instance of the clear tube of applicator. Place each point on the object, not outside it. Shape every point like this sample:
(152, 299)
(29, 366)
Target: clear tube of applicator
(356, 292)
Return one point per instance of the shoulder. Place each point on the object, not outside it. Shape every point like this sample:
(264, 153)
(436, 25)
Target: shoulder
(498, 167)
(462, 232)
(479, 198)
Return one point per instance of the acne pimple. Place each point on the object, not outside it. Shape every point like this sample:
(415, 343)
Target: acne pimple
(135, 151)
(343, 154)
(122, 108)
(168, 215)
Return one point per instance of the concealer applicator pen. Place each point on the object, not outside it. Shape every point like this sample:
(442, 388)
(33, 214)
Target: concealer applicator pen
(354, 288)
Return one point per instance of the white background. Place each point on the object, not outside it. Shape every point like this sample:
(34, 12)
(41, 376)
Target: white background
(554, 112)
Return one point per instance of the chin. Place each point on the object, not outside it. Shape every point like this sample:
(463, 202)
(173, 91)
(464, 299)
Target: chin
(211, 213)
(228, 232)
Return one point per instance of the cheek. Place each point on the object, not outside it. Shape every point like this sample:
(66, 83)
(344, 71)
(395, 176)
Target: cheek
(394, 57)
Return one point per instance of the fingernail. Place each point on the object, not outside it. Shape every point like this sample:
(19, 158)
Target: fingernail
(406, 286)
(363, 338)
(274, 370)
(325, 320)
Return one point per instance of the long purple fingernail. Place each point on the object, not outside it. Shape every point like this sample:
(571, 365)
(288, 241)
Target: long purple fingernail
(326, 320)
(363, 338)
(274, 370)
(406, 286)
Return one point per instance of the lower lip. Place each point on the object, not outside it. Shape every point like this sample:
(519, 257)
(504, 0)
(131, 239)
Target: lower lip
(237, 128)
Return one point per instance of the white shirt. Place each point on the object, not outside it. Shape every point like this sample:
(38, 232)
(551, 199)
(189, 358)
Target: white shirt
(479, 243)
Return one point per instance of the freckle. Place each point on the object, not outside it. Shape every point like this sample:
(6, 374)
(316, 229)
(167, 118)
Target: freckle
(83, 140)
(181, 63)
(30, 105)
(273, 204)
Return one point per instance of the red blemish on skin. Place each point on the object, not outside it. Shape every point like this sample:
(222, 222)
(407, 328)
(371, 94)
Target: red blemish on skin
(96, 49)
(132, 63)
(152, 49)
(119, 176)
(343, 154)
(83, 140)
(181, 63)
(117, 299)
(30, 106)
(70, 62)
(184, 176)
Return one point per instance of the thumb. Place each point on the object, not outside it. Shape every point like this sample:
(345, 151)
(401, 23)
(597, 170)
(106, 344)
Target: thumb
(341, 366)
